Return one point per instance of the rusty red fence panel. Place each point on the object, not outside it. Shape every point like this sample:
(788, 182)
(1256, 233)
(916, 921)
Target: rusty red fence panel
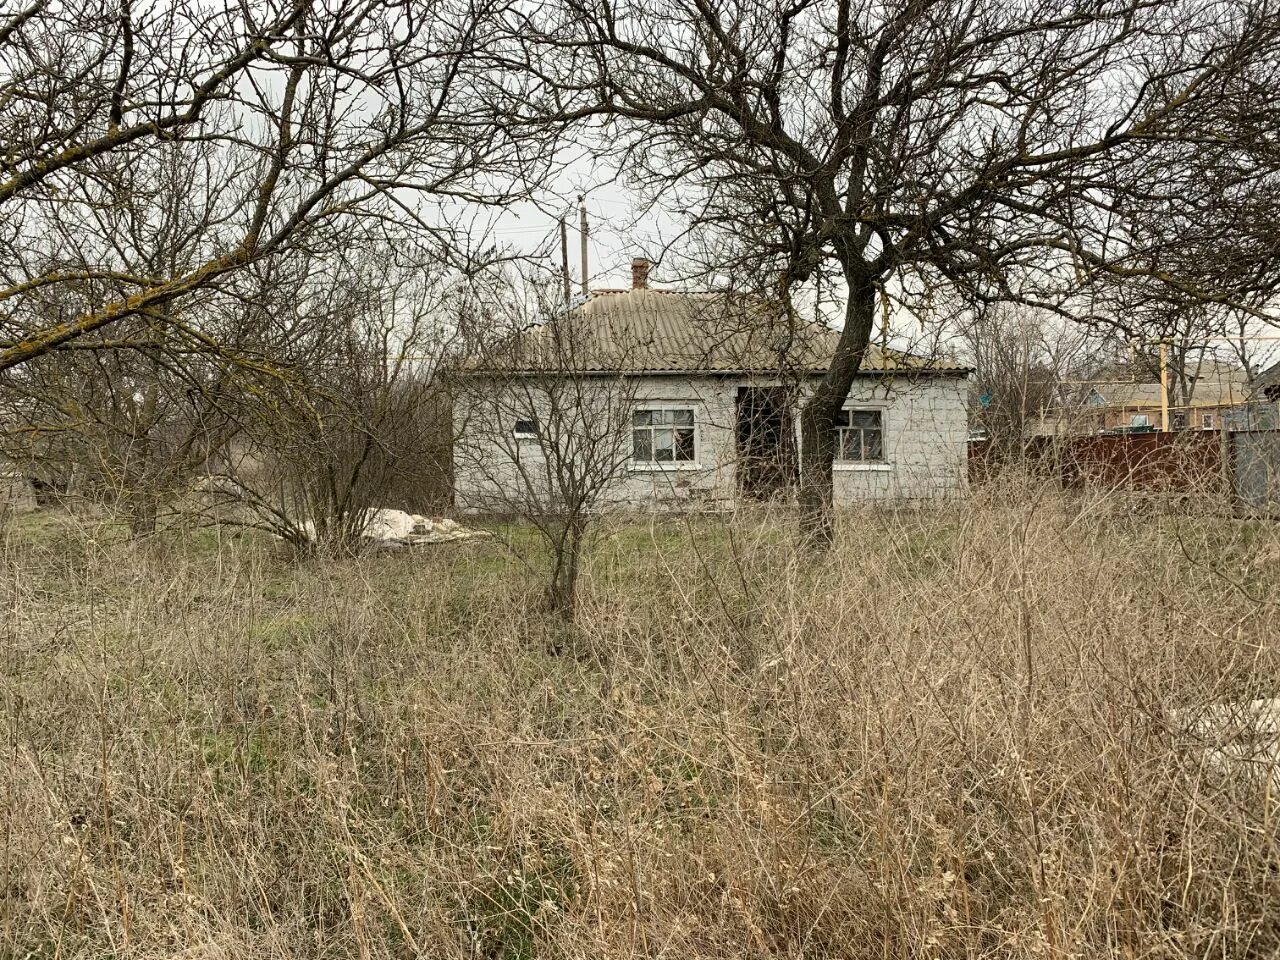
(1149, 462)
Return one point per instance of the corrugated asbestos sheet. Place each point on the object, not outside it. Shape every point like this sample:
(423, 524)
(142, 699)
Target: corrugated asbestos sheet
(645, 330)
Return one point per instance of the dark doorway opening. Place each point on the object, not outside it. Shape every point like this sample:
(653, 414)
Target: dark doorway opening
(767, 464)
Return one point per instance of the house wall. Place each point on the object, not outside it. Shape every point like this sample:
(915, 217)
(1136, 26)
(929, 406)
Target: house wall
(1237, 415)
(926, 425)
(494, 471)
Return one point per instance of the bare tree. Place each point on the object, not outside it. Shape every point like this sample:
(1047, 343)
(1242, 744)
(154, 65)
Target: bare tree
(1251, 344)
(326, 408)
(361, 421)
(303, 117)
(127, 429)
(178, 182)
(1187, 342)
(138, 415)
(1025, 361)
(967, 148)
(543, 420)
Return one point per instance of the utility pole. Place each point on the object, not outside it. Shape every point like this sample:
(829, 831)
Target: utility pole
(1164, 362)
(585, 231)
(1164, 386)
(564, 262)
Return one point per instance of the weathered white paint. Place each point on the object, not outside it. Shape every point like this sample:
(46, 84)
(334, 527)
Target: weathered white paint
(925, 438)
(926, 428)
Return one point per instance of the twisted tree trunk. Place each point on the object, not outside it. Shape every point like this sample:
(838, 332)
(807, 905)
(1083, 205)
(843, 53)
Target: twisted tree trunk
(817, 416)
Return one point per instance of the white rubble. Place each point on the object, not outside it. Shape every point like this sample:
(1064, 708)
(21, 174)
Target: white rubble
(397, 528)
(1242, 736)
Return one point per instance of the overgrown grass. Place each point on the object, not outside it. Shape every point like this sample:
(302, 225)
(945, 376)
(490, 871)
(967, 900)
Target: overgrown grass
(967, 732)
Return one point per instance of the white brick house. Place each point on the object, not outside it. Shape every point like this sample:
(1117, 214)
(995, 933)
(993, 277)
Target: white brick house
(690, 400)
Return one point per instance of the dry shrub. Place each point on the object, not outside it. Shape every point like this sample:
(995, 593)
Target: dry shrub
(971, 731)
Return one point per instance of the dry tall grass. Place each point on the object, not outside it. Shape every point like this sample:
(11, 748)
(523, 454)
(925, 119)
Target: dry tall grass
(970, 733)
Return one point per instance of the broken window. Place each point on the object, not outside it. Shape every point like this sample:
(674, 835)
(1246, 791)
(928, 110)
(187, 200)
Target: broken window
(663, 435)
(860, 436)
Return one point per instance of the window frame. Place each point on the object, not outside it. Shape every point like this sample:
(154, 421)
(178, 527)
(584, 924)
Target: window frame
(1206, 421)
(884, 462)
(518, 434)
(663, 465)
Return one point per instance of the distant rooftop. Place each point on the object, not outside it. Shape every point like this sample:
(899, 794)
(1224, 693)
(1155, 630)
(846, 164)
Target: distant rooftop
(1132, 393)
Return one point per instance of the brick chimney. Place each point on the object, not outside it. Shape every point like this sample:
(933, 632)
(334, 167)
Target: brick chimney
(639, 274)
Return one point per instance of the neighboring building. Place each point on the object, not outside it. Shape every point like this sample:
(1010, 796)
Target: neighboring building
(700, 394)
(1220, 397)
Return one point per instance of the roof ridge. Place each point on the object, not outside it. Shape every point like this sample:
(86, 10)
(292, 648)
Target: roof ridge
(663, 290)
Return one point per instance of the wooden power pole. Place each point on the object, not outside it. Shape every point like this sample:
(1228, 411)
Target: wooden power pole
(585, 231)
(564, 263)
(1164, 386)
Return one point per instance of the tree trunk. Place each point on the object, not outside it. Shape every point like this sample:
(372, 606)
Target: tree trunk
(817, 454)
(817, 416)
(143, 509)
(562, 592)
(144, 477)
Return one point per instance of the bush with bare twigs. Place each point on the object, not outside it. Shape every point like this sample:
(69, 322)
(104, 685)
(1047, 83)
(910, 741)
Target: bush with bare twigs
(982, 730)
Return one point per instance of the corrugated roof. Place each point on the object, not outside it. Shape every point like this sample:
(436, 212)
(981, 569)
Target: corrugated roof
(661, 331)
(1138, 393)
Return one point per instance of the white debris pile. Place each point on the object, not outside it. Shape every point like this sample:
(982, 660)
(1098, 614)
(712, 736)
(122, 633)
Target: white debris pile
(412, 528)
(398, 528)
(1243, 736)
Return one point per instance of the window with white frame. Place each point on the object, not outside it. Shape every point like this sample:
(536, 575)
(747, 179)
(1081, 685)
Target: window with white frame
(860, 436)
(525, 428)
(1206, 421)
(663, 435)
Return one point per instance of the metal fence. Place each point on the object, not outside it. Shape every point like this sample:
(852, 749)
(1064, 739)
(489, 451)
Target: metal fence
(1255, 469)
(1240, 468)
(1146, 462)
